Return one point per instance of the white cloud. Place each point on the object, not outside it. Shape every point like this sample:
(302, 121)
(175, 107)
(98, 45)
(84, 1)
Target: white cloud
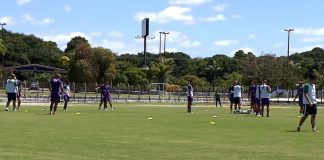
(252, 36)
(310, 31)
(113, 45)
(115, 34)
(7, 20)
(172, 13)
(67, 8)
(189, 44)
(63, 39)
(312, 39)
(27, 18)
(218, 17)
(223, 43)
(22, 2)
(188, 2)
(220, 7)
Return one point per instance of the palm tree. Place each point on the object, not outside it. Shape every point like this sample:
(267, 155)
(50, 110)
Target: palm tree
(161, 68)
(213, 67)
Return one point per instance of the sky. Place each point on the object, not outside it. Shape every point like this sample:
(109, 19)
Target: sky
(199, 28)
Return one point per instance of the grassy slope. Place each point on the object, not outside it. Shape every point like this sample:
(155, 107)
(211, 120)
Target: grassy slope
(127, 134)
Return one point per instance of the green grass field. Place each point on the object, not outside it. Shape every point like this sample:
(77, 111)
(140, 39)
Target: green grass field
(172, 134)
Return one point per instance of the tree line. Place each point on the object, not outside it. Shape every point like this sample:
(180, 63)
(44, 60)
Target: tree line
(85, 63)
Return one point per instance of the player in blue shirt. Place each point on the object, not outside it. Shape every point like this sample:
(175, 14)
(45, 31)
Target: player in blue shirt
(300, 92)
(56, 89)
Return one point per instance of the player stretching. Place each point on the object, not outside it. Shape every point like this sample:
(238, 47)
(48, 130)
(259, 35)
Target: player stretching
(265, 97)
(300, 92)
(56, 88)
(309, 101)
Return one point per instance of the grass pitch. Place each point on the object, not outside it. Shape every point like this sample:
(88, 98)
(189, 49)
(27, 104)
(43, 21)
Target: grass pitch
(156, 131)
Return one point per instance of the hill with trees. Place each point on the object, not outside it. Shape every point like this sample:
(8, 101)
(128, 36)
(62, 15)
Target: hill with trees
(96, 64)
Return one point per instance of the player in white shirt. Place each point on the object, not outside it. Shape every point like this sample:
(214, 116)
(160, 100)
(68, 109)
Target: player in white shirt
(189, 96)
(309, 101)
(237, 95)
(11, 90)
(265, 94)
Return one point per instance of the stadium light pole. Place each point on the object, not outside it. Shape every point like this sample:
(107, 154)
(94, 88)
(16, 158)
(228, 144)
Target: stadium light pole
(288, 30)
(2, 24)
(160, 43)
(165, 33)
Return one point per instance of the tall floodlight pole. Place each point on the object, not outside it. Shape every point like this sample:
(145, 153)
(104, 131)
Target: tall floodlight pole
(2, 24)
(160, 43)
(165, 33)
(288, 30)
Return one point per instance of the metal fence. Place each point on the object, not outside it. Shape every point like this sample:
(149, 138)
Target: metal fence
(87, 93)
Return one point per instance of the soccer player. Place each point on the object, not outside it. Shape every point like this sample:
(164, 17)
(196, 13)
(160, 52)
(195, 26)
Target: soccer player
(11, 90)
(231, 96)
(252, 95)
(105, 97)
(300, 92)
(217, 98)
(189, 96)
(18, 94)
(237, 95)
(265, 94)
(257, 100)
(66, 94)
(309, 101)
(56, 88)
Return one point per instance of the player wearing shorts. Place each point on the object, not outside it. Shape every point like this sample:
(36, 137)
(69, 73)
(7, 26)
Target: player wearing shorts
(105, 97)
(231, 96)
(237, 95)
(309, 101)
(265, 93)
(189, 96)
(300, 92)
(11, 91)
(56, 89)
(252, 95)
(257, 99)
(66, 94)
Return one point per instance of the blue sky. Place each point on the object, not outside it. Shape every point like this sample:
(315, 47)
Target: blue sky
(199, 28)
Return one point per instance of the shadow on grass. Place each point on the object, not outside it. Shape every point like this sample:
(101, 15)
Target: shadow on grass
(293, 131)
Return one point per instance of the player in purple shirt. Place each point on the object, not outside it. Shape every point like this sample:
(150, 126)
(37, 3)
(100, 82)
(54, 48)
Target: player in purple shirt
(300, 91)
(56, 89)
(252, 94)
(105, 97)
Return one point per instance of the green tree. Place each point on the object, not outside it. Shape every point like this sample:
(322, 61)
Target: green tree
(161, 68)
(74, 42)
